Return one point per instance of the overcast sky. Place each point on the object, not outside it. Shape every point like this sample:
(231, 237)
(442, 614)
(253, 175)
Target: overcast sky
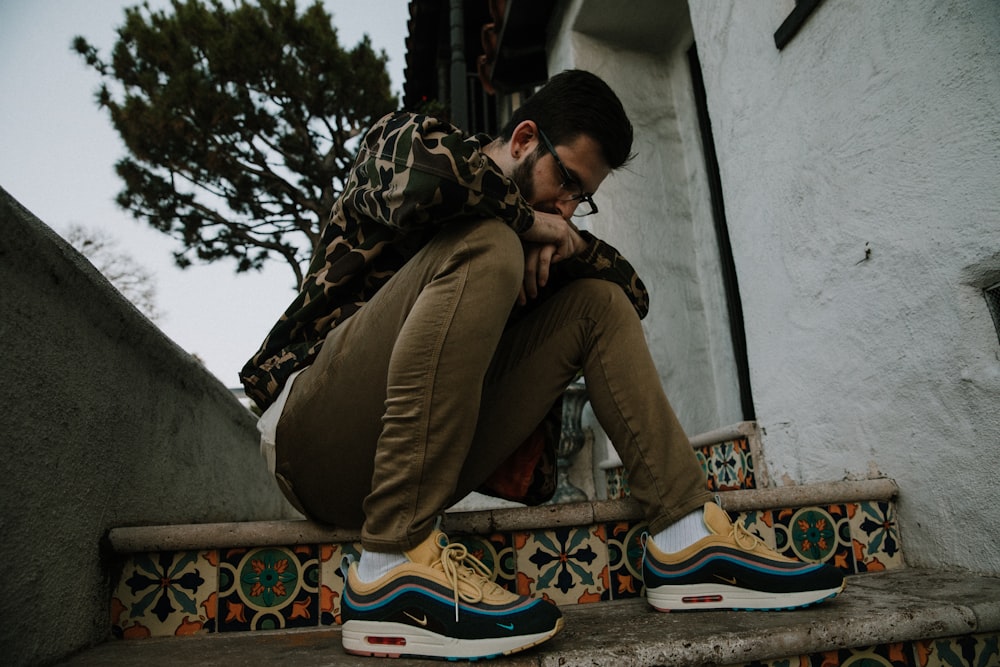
(57, 155)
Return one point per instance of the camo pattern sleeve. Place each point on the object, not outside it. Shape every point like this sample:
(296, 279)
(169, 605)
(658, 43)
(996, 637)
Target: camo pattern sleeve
(413, 174)
(600, 260)
(416, 170)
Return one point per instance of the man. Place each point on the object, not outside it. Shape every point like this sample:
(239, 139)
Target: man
(450, 302)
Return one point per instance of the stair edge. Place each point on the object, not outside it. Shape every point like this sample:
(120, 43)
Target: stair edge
(142, 539)
(934, 620)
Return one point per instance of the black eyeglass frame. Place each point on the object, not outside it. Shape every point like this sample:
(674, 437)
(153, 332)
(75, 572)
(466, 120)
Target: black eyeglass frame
(568, 180)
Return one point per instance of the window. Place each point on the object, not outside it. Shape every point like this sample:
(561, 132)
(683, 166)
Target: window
(992, 295)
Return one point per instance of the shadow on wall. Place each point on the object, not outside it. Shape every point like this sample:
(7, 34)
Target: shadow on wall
(105, 422)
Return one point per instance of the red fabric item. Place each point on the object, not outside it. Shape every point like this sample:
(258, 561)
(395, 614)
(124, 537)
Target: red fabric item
(512, 480)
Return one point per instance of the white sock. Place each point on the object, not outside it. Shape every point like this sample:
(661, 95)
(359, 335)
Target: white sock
(376, 564)
(682, 534)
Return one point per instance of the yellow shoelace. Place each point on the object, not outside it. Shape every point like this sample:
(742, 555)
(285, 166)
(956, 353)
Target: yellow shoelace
(744, 538)
(459, 565)
(750, 542)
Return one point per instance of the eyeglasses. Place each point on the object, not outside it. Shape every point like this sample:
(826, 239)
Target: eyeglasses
(584, 200)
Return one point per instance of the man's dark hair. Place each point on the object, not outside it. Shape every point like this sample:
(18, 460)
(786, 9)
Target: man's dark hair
(576, 102)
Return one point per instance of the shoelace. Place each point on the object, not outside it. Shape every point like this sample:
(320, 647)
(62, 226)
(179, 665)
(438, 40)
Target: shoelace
(459, 565)
(741, 534)
(744, 537)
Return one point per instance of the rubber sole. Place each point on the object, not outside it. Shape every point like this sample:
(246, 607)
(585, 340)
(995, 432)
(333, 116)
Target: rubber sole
(696, 597)
(397, 640)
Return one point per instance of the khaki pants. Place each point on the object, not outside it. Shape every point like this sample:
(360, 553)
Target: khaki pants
(417, 398)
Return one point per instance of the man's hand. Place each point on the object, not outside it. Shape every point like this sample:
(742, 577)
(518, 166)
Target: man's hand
(550, 239)
(552, 229)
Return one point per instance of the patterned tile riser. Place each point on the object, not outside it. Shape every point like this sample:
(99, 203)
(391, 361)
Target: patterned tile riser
(728, 466)
(300, 586)
(252, 589)
(967, 651)
(172, 593)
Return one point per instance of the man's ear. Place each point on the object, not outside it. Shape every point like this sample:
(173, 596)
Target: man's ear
(524, 139)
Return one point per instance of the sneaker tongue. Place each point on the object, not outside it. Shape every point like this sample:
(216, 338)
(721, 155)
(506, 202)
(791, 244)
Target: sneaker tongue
(471, 584)
(428, 552)
(716, 519)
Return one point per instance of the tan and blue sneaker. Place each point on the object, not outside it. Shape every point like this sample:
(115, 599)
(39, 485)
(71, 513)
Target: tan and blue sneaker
(443, 603)
(733, 569)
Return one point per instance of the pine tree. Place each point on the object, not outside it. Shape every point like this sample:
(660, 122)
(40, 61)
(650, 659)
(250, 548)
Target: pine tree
(240, 123)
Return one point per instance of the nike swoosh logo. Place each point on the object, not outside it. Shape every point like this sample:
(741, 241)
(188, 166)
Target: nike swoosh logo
(418, 621)
(506, 626)
(729, 580)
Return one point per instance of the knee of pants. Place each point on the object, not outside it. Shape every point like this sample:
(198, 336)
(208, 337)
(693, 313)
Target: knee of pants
(602, 298)
(502, 255)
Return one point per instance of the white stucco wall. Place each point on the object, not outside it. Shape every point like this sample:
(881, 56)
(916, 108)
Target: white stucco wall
(877, 128)
(657, 210)
(861, 176)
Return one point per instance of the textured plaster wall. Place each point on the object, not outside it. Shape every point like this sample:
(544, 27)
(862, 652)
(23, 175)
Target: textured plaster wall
(105, 422)
(861, 170)
(656, 210)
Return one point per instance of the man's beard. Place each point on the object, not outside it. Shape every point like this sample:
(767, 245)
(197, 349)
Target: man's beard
(522, 176)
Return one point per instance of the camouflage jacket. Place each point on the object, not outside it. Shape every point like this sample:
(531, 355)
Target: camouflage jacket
(413, 175)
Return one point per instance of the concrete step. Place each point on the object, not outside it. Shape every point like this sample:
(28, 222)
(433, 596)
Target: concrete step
(898, 617)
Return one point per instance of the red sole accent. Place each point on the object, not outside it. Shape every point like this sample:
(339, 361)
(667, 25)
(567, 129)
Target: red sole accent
(696, 599)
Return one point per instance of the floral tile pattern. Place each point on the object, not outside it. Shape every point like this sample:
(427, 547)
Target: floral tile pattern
(565, 565)
(728, 466)
(967, 651)
(815, 534)
(268, 588)
(876, 537)
(854, 537)
(625, 548)
(331, 579)
(886, 655)
(164, 594)
(617, 481)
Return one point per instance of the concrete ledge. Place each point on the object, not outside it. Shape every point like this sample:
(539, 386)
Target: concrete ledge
(899, 606)
(272, 533)
(106, 422)
(725, 434)
(826, 493)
